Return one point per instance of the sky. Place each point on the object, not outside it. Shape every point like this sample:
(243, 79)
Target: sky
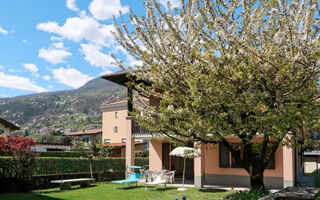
(56, 45)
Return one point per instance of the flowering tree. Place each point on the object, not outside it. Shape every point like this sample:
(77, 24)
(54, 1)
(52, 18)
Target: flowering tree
(241, 68)
(23, 158)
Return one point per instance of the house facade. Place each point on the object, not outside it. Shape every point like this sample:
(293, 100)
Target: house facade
(114, 129)
(216, 165)
(6, 127)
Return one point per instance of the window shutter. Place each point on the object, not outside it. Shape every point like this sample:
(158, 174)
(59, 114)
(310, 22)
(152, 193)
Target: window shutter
(223, 156)
(272, 163)
(234, 163)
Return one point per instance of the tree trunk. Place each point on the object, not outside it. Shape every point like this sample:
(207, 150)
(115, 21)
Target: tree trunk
(256, 179)
(91, 173)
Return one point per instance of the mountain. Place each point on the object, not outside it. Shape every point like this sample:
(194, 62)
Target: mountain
(62, 109)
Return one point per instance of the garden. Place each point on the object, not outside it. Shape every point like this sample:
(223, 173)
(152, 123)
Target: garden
(22, 169)
(26, 174)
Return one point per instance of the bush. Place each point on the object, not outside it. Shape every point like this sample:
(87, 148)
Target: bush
(252, 194)
(16, 174)
(50, 168)
(56, 165)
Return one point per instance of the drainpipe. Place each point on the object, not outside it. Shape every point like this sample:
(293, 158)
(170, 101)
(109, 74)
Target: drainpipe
(295, 167)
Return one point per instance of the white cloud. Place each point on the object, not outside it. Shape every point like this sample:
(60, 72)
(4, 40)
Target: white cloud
(58, 45)
(17, 82)
(50, 86)
(31, 67)
(81, 28)
(1, 67)
(71, 4)
(105, 9)
(53, 38)
(174, 3)
(25, 41)
(3, 31)
(71, 77)
(95, 57)
(46, 77)
(53, 55)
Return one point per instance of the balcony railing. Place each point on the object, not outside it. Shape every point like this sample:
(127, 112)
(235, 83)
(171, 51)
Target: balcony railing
(139, 132)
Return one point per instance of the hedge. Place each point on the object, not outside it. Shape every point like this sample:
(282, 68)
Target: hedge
(59, 154)
(55, 165)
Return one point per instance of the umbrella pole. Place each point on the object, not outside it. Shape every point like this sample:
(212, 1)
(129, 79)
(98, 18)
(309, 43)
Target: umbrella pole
(184, 172)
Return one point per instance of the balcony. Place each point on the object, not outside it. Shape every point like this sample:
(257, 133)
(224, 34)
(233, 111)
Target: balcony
(139, 132)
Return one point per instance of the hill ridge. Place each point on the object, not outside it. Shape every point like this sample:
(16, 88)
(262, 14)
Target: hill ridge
(61, 109)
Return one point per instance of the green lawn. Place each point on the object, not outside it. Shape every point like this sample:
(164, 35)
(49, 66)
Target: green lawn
(106, 192)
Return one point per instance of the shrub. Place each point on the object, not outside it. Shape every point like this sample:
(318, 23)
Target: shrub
(22, 161)
(252, 194)
(56, 165)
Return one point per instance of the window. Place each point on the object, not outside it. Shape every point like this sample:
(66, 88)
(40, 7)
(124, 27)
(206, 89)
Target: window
(223, 156)
(234, 163)
(138, 140)
(115, 129)
(123, 140)
(106, 141)
(116, 115)
(271, 164)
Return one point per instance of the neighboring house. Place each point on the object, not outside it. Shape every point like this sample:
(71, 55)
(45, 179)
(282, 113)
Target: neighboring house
(215, 166)
(114, 129)
(312, 162)
(7, 127)
(87, 135)
(51, 147)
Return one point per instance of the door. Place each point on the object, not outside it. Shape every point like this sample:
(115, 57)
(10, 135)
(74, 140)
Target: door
(165, 156)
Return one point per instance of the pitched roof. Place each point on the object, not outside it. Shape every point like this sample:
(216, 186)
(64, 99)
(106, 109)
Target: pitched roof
(145, 99)
(122, 78)
(86, 132)
(9, 125)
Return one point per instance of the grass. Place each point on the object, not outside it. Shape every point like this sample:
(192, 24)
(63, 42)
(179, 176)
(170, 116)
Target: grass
(106, 191)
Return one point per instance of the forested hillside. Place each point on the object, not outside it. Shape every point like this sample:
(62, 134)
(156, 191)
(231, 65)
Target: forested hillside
(62, 109)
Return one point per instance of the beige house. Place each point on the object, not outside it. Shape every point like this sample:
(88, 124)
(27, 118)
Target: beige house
(114, 129)
(7, 127)
(216, 166)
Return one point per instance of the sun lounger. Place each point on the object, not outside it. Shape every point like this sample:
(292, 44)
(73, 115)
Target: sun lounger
(159, 180)
(134, 177)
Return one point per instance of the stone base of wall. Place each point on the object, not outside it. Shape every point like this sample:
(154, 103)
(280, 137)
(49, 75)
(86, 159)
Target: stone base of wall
(241, 181)
(199, 181)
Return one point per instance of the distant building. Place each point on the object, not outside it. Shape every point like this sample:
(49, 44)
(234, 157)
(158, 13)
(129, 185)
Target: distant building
(51, 147)
(87, 135)
(7, 127)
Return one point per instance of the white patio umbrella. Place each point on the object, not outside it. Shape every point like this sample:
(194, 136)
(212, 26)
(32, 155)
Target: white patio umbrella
(185, 152)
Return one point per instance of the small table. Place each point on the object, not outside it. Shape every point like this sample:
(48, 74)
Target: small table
(66, 183)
